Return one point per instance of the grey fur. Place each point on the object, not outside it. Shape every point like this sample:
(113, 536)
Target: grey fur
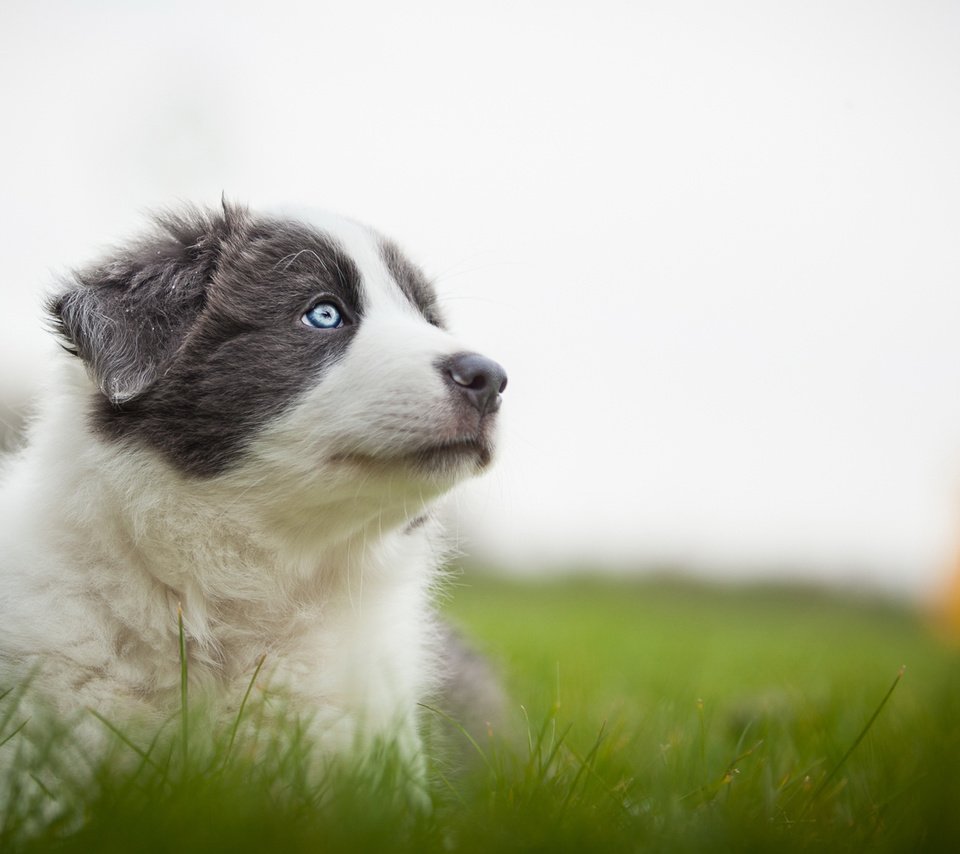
(471, 691)
(412, 281)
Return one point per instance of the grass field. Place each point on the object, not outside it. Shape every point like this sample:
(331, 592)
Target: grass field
(653, 716)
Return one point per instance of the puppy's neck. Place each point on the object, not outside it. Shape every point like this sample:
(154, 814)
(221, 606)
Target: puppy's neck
(224, 547)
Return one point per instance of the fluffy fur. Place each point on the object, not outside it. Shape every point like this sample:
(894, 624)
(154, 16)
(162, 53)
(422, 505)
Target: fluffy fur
(202, 447)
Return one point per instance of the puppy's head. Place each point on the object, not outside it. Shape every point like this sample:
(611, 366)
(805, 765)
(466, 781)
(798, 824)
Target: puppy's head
(309, 356)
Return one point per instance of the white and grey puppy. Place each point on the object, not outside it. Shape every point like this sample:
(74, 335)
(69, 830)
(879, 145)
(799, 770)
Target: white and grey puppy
(252, 420)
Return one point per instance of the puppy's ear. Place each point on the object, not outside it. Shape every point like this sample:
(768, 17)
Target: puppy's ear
(126, 318)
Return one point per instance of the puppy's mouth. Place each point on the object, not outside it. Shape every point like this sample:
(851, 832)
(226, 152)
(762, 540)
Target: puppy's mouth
(476, 447)
(434, 457)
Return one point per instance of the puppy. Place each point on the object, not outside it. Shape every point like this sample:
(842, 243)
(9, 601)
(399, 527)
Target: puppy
(251, 420)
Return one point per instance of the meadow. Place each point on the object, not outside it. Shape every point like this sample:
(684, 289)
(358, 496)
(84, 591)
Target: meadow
(646, 716)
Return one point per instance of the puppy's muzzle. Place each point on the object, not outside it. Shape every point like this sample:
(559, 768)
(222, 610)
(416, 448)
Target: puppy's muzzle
(479, 379)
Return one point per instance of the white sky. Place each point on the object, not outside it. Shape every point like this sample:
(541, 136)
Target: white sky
(716, 245)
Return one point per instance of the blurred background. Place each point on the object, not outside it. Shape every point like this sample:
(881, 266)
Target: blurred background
(714, 244)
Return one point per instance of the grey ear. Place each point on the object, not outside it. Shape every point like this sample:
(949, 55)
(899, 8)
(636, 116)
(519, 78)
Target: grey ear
(126, 318)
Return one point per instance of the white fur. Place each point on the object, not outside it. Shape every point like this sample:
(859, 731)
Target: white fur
(290, 554)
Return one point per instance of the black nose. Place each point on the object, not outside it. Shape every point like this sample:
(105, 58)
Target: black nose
(479, 378)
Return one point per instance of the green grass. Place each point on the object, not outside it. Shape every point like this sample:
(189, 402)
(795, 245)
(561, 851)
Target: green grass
(726, 708)
(648, 716)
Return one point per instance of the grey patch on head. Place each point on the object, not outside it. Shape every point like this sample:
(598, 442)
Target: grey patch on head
(414, 284)
(193, 333)
(417, 523)
(470, 690)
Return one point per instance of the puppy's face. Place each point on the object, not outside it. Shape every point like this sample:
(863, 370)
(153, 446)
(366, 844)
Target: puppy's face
(309, 358)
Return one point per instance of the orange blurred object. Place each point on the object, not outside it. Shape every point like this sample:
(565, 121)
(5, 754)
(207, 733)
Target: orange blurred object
(949, 607)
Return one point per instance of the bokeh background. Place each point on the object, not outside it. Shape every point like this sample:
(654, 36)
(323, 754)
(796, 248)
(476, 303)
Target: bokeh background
(716, 245)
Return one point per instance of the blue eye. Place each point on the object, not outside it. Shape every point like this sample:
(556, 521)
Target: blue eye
(324, 315)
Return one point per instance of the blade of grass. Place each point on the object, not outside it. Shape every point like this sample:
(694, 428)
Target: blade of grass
(18, 692)
(708, 791)
(143, 754)
(12, 734)
(558, 743)
(243, 704)
(536, 754)
(856, 742)
(703, 739)
(42, 787)
(526, 718)
(184, 718)
(585, 765)
(450, 787)
(457, 725)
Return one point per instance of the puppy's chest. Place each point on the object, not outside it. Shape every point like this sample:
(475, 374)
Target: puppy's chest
(369, 656)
